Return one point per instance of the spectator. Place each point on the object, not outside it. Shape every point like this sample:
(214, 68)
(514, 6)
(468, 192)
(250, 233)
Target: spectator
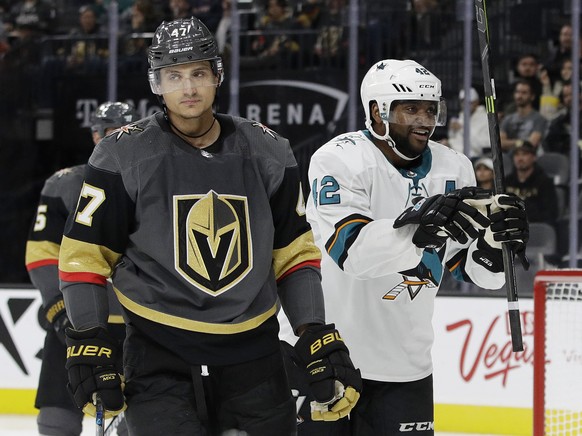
(530, 183)
(275, 46)
(527, 68)
(550, 98)
(26, 22)
(36, 15)
(4, 45)
(102, 6)
(525, 123)
(209, 11)
(223, 26)
(479, 142)
(308, 12)
(331, 44)
(423, 24)
(140, 18)
(484, 173)
(557, 138)
(180, 9)
(90, 46)
(559, 51)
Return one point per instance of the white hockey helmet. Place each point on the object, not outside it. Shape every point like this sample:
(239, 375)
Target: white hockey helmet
(393, 80)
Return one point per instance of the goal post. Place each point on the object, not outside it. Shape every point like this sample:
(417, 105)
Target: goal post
(557, 388)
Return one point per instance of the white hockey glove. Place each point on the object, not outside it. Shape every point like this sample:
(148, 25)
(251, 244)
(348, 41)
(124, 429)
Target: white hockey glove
(334, 381)
(508, 225)
(446, 216)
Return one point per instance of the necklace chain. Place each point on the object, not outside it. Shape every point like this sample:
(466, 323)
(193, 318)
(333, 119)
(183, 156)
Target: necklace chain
(195, 136)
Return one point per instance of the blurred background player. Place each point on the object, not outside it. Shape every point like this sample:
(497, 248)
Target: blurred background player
(390, 209)
(58, 414)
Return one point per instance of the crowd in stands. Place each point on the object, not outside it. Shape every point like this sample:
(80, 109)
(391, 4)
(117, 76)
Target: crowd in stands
(56, 36)
(535, 131)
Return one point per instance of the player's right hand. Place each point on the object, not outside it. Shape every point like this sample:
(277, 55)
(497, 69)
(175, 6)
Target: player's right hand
(444, 216)
(54, 316)
(91, 357)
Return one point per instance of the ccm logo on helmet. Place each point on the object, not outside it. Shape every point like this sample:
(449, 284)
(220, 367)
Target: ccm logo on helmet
(428, 86)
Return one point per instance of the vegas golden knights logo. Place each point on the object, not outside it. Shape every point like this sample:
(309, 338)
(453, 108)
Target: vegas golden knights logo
(212, 240)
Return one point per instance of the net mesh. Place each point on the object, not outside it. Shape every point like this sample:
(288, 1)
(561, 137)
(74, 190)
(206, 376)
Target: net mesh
(563, 358)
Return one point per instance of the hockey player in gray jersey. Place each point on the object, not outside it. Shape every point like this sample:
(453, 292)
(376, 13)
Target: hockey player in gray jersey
(391, 209)
(58, 415)
(198, 218)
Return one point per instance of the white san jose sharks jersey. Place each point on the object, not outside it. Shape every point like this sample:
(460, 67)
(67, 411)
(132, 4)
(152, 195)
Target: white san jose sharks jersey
(379, 287)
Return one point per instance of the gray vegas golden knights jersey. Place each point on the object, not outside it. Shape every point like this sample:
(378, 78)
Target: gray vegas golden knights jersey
(58, 199)
(196, 239)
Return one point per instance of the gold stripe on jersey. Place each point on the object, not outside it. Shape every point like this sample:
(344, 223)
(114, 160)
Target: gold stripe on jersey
(41, 250)
(191, 325)
(82, 257)
(301, 250)
(115, 319)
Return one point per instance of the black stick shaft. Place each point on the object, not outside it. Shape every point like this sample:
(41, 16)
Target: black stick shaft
(99, 415)
(489, 85)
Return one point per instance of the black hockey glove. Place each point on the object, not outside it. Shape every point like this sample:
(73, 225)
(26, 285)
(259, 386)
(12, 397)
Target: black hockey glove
(334, 382)
(446, 216)
(508, 225)
(91, 357)
(54, 316)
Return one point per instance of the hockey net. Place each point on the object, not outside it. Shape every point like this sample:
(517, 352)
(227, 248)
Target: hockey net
(558, 352)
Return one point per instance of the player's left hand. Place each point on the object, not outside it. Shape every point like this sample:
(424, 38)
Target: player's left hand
(508, 225)
(335, 382)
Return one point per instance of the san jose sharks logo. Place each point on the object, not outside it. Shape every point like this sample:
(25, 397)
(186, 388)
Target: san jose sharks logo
(411, 284)
(427, 274)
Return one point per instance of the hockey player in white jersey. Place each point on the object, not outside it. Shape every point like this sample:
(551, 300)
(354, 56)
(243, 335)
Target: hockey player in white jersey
(390, 209)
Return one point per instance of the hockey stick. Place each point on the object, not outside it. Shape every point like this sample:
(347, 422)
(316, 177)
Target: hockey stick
(489, 85)
(117, 419)
(99, 415)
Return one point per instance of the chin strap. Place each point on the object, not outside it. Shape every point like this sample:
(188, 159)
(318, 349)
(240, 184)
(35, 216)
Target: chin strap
(386, 137)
